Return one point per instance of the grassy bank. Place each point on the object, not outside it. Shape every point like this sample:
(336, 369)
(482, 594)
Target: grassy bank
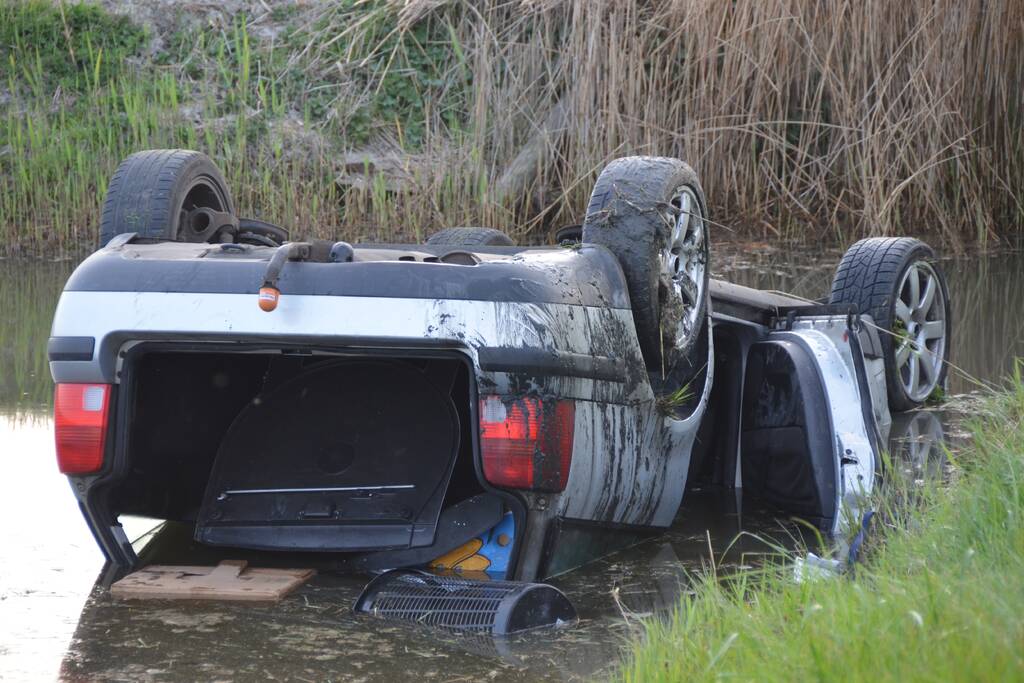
(384, 120)
(940, 597)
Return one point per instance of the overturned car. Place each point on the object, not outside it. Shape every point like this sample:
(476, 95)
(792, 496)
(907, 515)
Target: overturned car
(467, 403)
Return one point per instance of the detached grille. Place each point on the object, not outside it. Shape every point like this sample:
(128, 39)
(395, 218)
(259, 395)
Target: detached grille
(495, 607)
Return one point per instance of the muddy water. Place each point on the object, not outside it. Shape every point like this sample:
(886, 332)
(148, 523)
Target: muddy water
(55, 624)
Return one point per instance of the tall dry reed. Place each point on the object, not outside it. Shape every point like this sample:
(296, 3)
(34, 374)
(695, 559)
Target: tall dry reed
(804, 119)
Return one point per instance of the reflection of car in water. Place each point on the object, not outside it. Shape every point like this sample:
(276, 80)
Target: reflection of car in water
(383, 406)
(917, 445)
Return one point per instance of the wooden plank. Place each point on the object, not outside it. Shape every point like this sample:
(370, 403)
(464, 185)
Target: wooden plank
(229, 580)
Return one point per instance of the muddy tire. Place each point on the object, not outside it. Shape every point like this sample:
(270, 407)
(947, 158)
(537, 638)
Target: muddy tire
(898, 281)
(650, 212)
(151, 191)
(471, 237)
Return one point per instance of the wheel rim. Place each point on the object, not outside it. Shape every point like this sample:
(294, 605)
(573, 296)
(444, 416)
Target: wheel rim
(920, 327)
(684, 261)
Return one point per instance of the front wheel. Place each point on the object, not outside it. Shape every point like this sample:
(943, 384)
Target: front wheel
(898, 281)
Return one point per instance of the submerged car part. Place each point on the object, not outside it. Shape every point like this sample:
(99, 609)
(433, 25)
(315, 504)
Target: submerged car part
(494, 607)
(476, 516)
(345, 456)
(489, 552)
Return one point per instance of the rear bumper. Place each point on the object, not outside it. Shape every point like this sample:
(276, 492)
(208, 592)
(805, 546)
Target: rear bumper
(589, 353)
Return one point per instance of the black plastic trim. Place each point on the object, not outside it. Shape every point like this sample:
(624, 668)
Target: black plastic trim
(543, 362)
(70, 348)
(869, 340)
(820, 430)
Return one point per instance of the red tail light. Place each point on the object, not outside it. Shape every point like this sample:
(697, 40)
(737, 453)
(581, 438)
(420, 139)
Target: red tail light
(527, 443)
(80, 426)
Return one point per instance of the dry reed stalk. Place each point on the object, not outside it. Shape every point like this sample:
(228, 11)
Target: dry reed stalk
(805, 120)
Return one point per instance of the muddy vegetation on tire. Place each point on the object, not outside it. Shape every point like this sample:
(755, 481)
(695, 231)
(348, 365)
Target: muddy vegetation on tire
(633, 211)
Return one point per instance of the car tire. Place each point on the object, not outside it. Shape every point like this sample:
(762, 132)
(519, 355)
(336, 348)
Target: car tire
(899, 283)
(637, 210)
(471, 237)
(150, 190)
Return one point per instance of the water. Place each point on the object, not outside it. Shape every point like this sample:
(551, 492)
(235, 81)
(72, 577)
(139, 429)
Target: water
(985, 292)
(54, 623)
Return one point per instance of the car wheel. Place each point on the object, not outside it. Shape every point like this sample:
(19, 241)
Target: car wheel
(898, 281)
(650, 212)
(156, 194)
(471, 237)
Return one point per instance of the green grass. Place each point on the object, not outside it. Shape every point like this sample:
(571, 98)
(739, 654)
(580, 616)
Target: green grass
(71, 45)
(72, 119)
(940, 596)
(85, 97)
(671, 402)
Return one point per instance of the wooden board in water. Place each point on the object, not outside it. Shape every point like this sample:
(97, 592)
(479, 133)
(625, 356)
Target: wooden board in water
(230, 580)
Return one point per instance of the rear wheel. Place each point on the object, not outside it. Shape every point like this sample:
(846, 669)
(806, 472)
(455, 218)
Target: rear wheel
(471, 237)
(650, 212)
(898, 281)
(170, 194)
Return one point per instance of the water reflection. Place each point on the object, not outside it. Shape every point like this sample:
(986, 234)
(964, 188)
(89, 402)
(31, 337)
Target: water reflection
(917, 444)
(29, 292)
(314, 635)
(48, 556)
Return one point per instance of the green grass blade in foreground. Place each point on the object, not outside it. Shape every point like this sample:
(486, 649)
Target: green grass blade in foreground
(940, 596)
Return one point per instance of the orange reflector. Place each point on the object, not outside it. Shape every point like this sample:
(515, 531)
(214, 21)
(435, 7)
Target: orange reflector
(268, 298)
(80, 426)
(527, 443)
